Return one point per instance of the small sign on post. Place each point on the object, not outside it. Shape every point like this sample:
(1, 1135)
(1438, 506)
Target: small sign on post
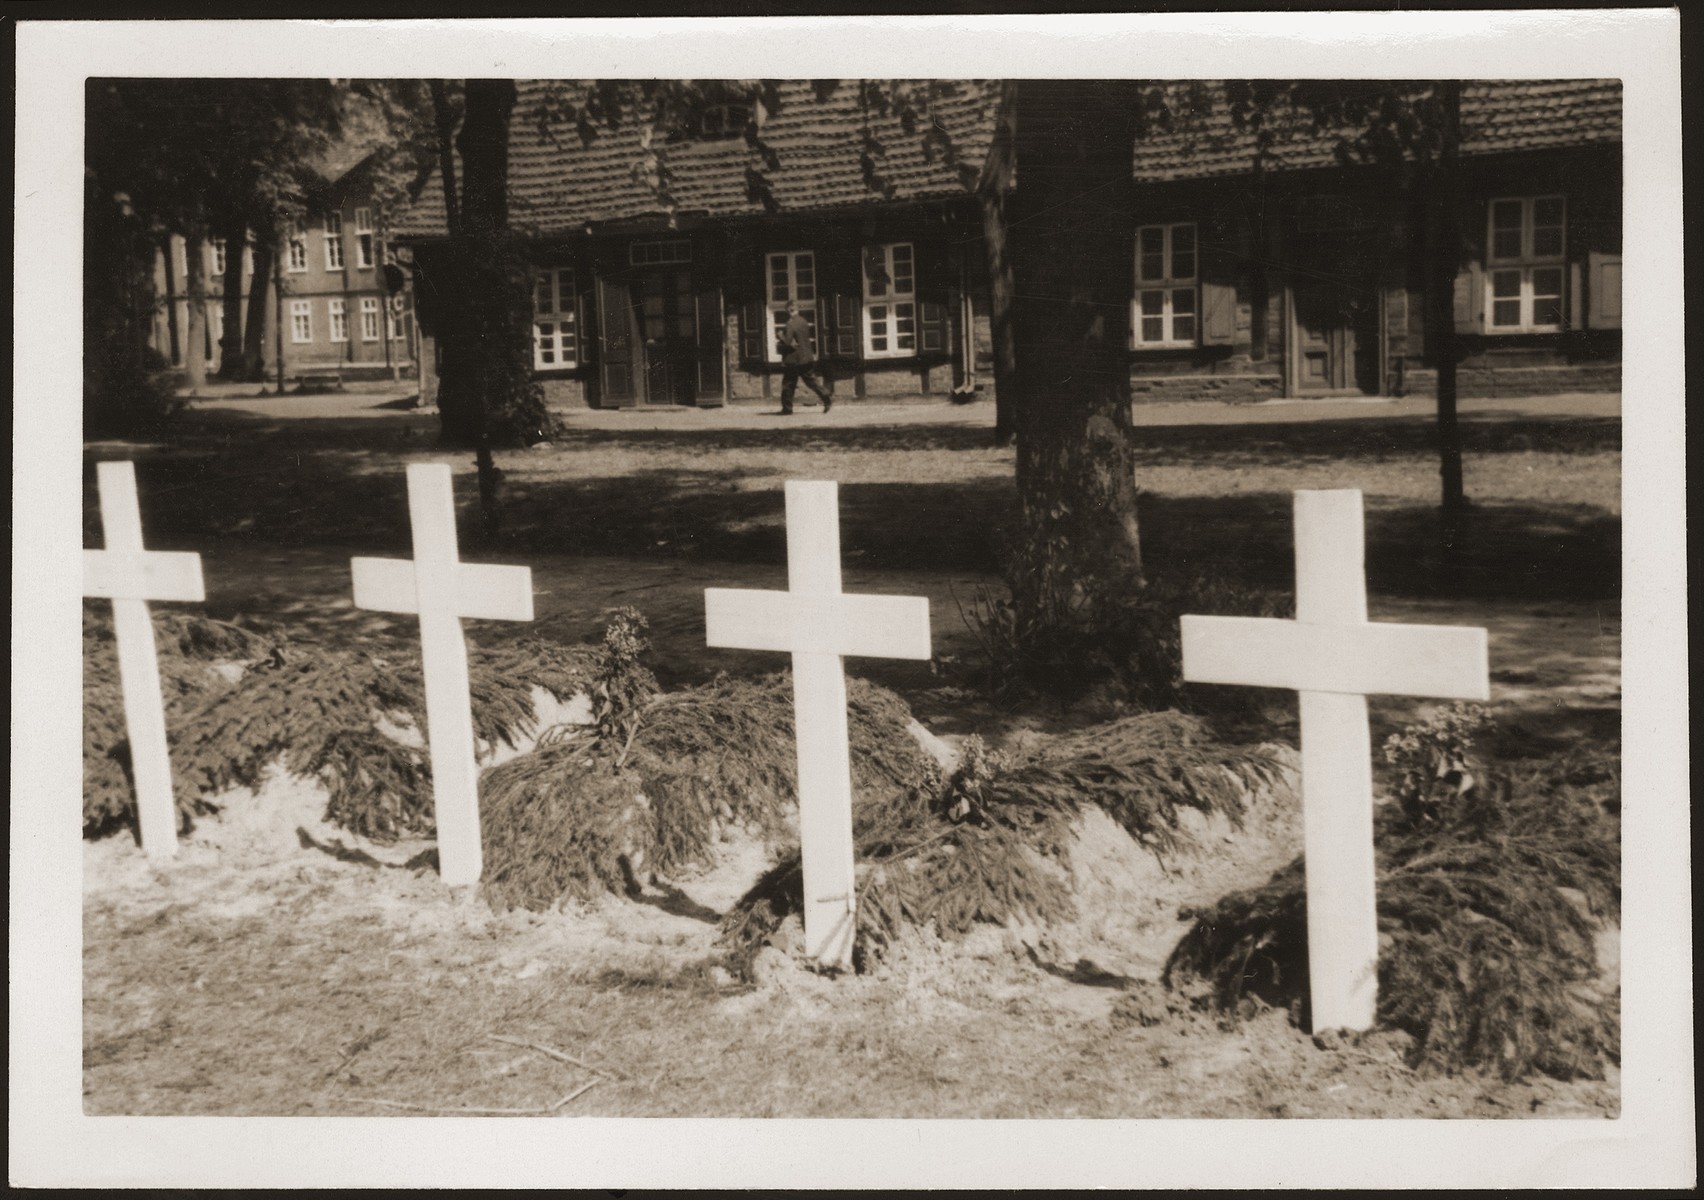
(130, 576)
(819, 625)
(442, 590)
(1335, 658)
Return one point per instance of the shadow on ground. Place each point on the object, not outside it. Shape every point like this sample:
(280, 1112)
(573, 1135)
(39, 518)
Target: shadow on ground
(230, 478)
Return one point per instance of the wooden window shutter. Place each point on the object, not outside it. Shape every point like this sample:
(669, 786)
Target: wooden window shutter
(1469, 301)
(710, 342)
(843, 340)
(1218, 313)
(754, 328)
(931, 327)
(1603, 290)
(933, 333)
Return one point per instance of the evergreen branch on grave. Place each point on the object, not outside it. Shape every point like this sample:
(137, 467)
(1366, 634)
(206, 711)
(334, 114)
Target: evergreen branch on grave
(308, 705)
(188, 646)
(1488, 909)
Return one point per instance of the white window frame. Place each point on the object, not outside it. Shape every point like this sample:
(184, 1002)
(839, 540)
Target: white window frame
(337, 319)
(888, 307)
(393, 318)
(215, 326)
(364, 239)
(1524, 269)
(778, 293)
(334, 241)
(301, 322)
(369, 318)
(296, 248)
(556, 330)
(216, 251)
(181, 258)
(1167, 286)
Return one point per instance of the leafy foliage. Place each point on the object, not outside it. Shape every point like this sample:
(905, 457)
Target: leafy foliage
(1488, 905)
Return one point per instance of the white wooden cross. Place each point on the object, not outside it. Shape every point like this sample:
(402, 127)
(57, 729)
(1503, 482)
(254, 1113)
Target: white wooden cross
(819, 625)
(131, 576)
(443, 590)
(1335, 658)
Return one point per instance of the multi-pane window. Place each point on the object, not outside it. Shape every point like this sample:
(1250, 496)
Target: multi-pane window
(219, 259)
(301, 321)
(1526, 264)
(338, 311)
(650, 254)
(790, 275)
(369, 318)
(297, 254)
(1165, 310)
(555, 337)
(890, 300)
(334, 241)
(363, 238)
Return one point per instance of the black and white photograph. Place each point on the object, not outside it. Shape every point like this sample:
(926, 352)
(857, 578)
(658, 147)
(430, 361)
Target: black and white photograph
(1025, 608)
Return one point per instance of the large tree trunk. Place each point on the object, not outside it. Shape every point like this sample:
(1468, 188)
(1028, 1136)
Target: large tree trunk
(996, 184)
(118, 313)
(195, 333)
(481, 364)
(1073, 276)
(254, 326)
(235, 233)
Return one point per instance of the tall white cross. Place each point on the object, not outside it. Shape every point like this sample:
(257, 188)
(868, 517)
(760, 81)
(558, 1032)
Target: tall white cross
(1335, 658)
(443, 590)
(131, 576)
(819, 625)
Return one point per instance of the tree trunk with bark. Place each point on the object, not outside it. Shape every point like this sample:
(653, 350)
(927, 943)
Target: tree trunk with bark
(1446, 259)
(195, 331)
(1073, 277)
(254, 325)
(234, 231)
(992, 196)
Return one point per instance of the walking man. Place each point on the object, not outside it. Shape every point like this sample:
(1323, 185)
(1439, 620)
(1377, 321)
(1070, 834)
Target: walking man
(799, 361)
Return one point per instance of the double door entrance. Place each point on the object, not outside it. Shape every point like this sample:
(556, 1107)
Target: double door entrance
(661, 340)
(1334, 338)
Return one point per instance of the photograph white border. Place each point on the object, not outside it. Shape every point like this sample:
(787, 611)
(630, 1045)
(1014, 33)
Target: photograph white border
(52, 1143)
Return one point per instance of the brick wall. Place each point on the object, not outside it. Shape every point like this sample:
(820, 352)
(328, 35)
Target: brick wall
(1550, 380)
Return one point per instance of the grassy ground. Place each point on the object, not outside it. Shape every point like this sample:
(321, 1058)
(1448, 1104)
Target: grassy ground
(199, 999)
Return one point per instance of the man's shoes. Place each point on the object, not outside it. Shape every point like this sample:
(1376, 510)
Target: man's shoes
(827, 403)
(786, 412)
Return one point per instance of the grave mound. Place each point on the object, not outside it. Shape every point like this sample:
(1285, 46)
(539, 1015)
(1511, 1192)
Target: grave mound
(1496, 914)
(589, 813)
(242, 696)
(1039, 848)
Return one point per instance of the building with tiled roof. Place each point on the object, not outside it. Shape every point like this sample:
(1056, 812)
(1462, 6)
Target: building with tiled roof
(1264, 265)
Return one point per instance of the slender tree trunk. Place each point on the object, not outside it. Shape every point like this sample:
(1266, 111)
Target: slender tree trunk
(174, 289)
(1446, 262)
(992, 196)
(278, 309)
(1073, 277)
(235, 232)
(195, 334)
(254, 326)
